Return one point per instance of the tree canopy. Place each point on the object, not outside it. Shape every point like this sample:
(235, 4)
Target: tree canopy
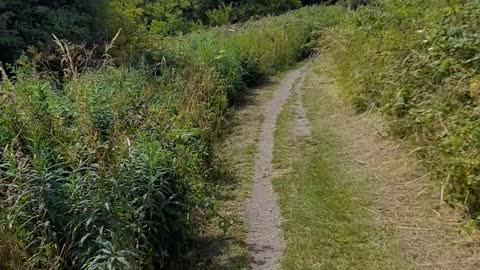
(27, 23)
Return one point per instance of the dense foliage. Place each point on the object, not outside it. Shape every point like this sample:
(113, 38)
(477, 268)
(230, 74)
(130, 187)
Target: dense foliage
(418, 63)
(32, 23)
(26, 23)
(110, 168)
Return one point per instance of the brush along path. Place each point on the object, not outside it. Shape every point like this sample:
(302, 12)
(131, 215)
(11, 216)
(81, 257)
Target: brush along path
(351, 198)
(265, 238)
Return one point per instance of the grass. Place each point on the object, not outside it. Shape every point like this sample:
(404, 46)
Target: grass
(326, 221)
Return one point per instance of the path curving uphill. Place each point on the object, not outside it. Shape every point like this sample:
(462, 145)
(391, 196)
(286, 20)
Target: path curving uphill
(265, 238)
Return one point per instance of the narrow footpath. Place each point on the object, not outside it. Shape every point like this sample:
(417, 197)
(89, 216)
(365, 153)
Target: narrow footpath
(265, 238)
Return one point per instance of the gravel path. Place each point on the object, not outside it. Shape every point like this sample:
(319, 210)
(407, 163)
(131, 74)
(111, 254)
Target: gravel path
(265, 238)
(301, 127)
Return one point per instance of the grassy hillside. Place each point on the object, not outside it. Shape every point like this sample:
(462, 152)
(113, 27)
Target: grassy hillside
(111, 167)
(417, 62)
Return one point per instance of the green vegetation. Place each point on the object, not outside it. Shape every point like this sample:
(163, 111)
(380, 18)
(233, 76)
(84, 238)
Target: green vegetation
(229, 250)
(28, 23)
(110, 167)
(418, 63)
(325, 207)
(32, 23)
(107, 152)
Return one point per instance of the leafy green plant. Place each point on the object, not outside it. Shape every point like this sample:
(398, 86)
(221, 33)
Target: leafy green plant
(221, 15)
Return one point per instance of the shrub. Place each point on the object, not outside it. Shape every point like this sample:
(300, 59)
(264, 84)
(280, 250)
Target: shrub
(100, 170)
(30, 23)
(220, 16)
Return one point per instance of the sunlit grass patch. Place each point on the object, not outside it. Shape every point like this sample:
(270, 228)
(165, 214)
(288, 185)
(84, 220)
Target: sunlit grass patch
(326, 221)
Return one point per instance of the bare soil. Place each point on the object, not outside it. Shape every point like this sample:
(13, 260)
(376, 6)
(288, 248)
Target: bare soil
(301, 127)
(265, 238)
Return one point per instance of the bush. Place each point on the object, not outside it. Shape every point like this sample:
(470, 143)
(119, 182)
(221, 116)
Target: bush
(110, 169)
(31, 23)
(100, 170)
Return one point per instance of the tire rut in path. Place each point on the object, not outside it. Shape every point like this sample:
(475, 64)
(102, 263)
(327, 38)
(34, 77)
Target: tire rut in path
(265, 238)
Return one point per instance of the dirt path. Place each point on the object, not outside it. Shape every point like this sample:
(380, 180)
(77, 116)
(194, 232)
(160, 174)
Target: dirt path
(301, 126)
(265, 239)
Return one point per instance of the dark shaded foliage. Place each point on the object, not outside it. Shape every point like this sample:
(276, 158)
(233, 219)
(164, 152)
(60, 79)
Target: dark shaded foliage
(27, 23)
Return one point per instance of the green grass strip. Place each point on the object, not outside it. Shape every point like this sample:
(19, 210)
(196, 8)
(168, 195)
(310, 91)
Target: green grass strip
(326, 221)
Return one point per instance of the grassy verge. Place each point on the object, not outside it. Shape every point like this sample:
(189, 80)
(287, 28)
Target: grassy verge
(327, 224)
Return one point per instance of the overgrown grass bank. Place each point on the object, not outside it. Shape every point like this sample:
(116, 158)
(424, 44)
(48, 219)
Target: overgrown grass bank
(418, 63)
(112, 168)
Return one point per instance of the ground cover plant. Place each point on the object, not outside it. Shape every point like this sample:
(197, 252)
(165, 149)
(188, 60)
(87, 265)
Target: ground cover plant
(417, 62)
(109, 167)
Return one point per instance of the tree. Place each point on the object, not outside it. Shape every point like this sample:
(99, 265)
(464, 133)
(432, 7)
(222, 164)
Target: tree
(25, 23)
